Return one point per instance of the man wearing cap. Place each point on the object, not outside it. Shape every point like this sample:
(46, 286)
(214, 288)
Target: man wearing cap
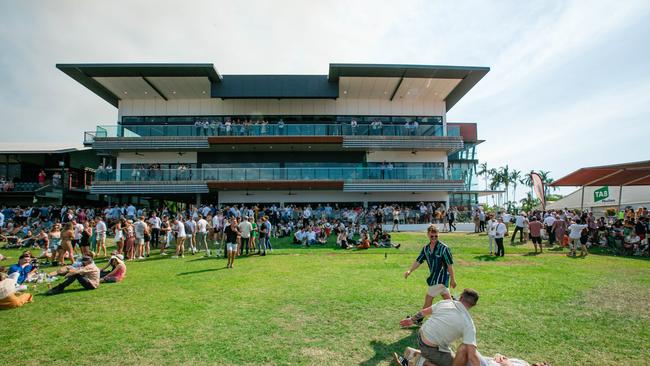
(441, 270)
(87, 276)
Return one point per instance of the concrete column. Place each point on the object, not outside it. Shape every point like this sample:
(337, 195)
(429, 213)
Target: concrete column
(198, 200)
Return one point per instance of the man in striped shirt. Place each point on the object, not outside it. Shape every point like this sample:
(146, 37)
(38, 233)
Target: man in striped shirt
(441, 269)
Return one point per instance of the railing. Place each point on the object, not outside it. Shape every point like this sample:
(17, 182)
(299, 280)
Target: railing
(277, 174)
(19, 186)
(222, 129)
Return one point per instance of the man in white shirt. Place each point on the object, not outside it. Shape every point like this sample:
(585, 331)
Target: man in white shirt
(78, 228)
(519, 223)
(575, 231)
(448, 321)
(100, 229)
(548, 222)
(500, 232)
(245, 228)
(155, 223)
(202, 234)
(491, 231)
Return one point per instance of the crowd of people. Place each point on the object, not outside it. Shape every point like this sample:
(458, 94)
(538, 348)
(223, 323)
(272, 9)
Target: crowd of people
(623, 234)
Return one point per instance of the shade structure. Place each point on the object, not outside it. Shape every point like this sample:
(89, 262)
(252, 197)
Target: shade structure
(628, 174)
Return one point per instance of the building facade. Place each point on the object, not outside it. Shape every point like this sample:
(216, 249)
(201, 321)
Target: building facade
(361, 134)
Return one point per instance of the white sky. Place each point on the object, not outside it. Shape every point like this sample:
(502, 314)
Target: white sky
(569, 85)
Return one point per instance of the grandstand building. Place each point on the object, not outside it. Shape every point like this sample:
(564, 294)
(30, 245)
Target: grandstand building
(361, 134)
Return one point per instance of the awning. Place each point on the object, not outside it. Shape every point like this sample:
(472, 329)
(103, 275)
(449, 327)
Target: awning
(628, 174)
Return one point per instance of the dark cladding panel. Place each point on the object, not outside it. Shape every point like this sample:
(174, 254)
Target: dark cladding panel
(280, 157)
(275, 86)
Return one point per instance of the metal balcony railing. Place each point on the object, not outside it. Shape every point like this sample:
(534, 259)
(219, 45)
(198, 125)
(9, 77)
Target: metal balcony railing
(226, 129)
(346, 174)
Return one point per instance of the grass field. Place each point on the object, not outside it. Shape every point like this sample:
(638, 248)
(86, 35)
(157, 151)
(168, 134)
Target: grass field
(326, 306)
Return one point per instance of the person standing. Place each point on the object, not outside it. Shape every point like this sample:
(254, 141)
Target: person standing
(100, 231)
(202, 234)
(491, 231)
(155, 223)
(519, 227)
(575, 232)
(179, 228)
(549, 220)
(559, 228)
(535, 228)
(231, 233)
(140, 228)
(396, 213)
(499, 233)
(441, 270)
(245, 229)
(451, 217)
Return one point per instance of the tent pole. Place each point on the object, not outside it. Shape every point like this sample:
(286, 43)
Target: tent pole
(620, 195)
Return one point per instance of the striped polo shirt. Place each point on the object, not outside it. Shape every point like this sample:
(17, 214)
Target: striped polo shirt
(438, 259)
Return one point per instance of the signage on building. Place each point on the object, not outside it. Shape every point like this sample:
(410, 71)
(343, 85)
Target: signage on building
(601, 194)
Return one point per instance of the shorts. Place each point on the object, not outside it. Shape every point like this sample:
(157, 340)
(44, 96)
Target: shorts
(438, 289)
(101, 237)
(433, 354)
(231, 247)
(395, 221)
(75, 242)
(139, 241)
(536, 239)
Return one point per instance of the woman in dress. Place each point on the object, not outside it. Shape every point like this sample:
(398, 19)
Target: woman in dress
(129, 242)
(559, 228)
(119, 235)
(396, 213)
(66, 244)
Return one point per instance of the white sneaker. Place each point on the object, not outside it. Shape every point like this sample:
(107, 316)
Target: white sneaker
(207, 253)
(140, 257)
(163, 253)
(174, 257)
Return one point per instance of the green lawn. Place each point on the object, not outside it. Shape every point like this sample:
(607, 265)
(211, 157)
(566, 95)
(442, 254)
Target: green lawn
(325, 306)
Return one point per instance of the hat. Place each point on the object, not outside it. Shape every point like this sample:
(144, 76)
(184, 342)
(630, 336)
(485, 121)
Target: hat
(86, 258)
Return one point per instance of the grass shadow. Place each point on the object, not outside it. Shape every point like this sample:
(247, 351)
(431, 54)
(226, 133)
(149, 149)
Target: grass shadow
(486, 258)
(201, 271)
(384, 351)
(532, 254)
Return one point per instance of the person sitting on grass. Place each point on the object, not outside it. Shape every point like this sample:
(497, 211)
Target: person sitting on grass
(632, 242)
(364, 242)
(448, 321)
(24, 268)
(310, 236)
(300, 236)
(117, 272)
(8, 297)
(87, 275)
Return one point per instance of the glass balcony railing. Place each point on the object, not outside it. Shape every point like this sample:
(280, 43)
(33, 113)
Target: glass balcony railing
(346, 174)
(268, 130)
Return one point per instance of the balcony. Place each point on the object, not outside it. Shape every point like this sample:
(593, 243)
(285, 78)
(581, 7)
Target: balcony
(363, 136)
(353, 179)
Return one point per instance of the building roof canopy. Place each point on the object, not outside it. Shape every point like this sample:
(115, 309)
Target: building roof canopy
(114, 82)
(629, 174)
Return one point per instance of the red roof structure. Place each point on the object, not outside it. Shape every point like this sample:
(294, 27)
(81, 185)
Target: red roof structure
(628, 174)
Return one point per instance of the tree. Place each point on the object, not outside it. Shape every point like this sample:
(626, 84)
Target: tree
(515, 177)
(483, 171)
(504, 172)
(527, 180)
(547, 180)
(529, 203)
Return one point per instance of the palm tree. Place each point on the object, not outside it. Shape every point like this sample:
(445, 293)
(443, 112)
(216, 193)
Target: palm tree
(515, 177)
(483, 171)
(504, 172)
(527, 180)
(529, 203)
(495, 180)
(547, 180)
